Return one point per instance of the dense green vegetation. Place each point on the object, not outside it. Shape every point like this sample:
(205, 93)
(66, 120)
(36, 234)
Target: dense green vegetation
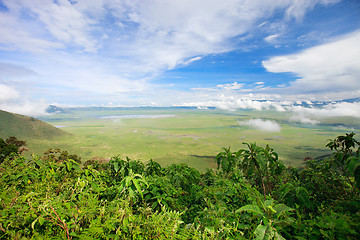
(251, 195)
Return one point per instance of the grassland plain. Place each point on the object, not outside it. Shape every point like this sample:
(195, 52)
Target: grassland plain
(192, 136)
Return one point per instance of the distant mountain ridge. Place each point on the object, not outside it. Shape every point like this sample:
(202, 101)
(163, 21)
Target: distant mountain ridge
(52, 109)
(350, 100)
(24, 127)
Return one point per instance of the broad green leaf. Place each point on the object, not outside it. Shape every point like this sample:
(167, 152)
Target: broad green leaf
(282, 209)
(300, 238)
(137, 186)
(278, 236)
(264, 232)
(250, 208)
(269, 202)
(116, 166)
(273, 211)
(41, 220)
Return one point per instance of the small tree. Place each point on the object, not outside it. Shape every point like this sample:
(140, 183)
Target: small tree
(260, 164)
(226, 160)
(14, 141)
(346, 157)
(10, 146)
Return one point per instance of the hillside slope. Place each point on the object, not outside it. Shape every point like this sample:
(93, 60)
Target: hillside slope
(24, 127)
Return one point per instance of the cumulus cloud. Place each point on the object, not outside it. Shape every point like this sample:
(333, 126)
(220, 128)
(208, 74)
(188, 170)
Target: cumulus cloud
(232, 98)
(12, 101)
(26, 107)
(331, 67)
(117, 47)
(262, 125)
(305, 111)
(13, 96)
(231, 86)
(7, 93)
(342, 109)
(300, 117)
(234, 104)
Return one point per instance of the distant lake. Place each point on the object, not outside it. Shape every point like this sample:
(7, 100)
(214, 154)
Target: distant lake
(137, 116)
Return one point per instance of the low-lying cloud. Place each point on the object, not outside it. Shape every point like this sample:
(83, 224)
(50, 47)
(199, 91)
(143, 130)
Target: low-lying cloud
(300, 117)
(12, 101)
(27, 108)
(7, 93)
(262, 125)
(342, 109)
(303, 111)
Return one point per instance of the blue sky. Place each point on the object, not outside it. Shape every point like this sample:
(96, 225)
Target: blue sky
(228, 54)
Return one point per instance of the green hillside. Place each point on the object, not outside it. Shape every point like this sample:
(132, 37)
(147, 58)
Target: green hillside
(24, 127)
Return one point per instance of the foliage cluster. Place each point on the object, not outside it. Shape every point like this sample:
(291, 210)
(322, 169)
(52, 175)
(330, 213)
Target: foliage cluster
(250, 196)
(10, 146)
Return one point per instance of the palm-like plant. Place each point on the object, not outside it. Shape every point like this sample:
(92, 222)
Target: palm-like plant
(260, 163)
(346, 158)
(253, 161)
(226, 160)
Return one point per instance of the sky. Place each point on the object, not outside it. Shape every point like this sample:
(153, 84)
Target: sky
(230, 54)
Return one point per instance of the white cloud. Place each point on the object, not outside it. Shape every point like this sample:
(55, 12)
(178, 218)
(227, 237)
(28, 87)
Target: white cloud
(187, 62)
(300, 117)
(231, 86)
(342, 109)
(331, 67)
(12, 101)
(271, 38)
(299, 8)
(46, 24)
(157, 35)
(232, 103)
(13, 94)
(28, 108)
(262, 125)
(232, 100)
(112, 48)
(7, 93)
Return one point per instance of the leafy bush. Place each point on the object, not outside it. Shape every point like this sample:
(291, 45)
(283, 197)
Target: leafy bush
(251, 196)
(10, 146)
